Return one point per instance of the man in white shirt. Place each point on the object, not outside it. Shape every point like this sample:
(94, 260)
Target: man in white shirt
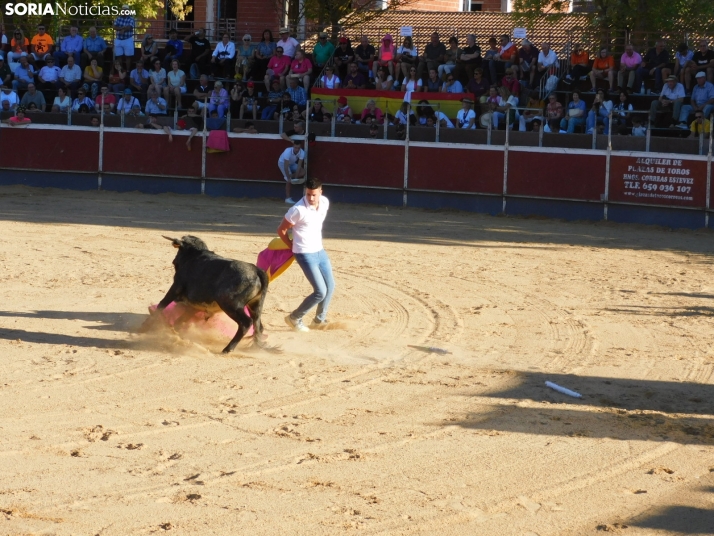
(671, 97)
(50, 74)
(223, 57)
(466, 117)
(547, 58)
(7, 94)
(71, 75)
(291, 164)
(305, 218)
(288, 44)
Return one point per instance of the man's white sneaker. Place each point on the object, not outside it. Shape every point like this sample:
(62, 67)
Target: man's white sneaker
(319, 325)
(297, 325)
(289, 201)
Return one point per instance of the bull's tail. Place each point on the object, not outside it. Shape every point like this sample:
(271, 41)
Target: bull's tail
(256, 306)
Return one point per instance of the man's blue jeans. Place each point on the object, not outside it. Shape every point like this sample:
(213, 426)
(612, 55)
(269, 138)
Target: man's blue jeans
(318, 270)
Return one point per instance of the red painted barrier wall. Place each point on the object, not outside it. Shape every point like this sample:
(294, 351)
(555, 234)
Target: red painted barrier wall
(53, 150)
(658, 181)
(569, 176)
(458, 170)
(249, 158)
(150, 154)
(357, 164)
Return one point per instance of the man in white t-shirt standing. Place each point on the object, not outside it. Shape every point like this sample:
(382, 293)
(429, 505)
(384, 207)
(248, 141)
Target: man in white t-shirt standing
(305, 219)
(292, 166)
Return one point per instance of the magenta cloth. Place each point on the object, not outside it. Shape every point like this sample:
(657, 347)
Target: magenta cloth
(219, 321)
(631, 61)
(218, 141)
(275, 259)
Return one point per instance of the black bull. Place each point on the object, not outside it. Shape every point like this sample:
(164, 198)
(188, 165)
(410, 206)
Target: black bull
(210, 283)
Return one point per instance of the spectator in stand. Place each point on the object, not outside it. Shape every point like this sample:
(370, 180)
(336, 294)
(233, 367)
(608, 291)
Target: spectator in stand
(621, 110)
(19, 118)
(3, 42)
(533, 112)
(223, 57)
(671, 99)
(82, 100)
(117, 78)
(153, 122)
(49, 75)
(236, 98)
(344, 55)
(579, 64)
(176, 83)
(371, 109)
(681, 59)
(433, 82)
(71, 46)
(264, 51)
(6, 94)
(157, 80)
(638, 129)
(200, 53)
(505, 108)
(405, 115)
(364, 56)
(297, 93)
(343, 110)
(149, 50)
(407, 56)
(629, 63)
(452, 85)
(507, 55)
(424, 111)
(124, 38)
(468, 60)
(510, 81)
(386, 56)
(248, 128)
(433, 56)
(32, 96)
(249, 102)
(412, 82)
(19, 46)
(127, 103)
(105, 99)
(107, 109)
(24, 74)
(278, 68)
(599, 113)
(528, 61)
(535, 125)
(322, 52)
(62, 102)
(453, 53)
(603, 67)
(136, 111)
(316, 112)
(5, 72)
(291, 165)
(354, 79)
(576, 114)
(219, 100)
(492, 51)
(155, 105)
(547, 62)
(173, 50)
(466, 117)
(5, 107)
(655, 64)
(93, 75)
(275, 96)
(93, 47)
(139, 79)
(383, 81)
(295, 133)
(245, 56)
(300, 68)
(96, 122)
(41, 44)
(700, 126)
(330, 80)
(702, 62)
(288, 43)
(702, 99)
(201, 92)
(478, 86)
(71, 75)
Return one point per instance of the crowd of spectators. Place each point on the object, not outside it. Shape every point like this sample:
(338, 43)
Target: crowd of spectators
(524, 86)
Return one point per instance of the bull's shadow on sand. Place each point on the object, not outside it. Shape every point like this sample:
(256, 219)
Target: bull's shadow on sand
(625, 409)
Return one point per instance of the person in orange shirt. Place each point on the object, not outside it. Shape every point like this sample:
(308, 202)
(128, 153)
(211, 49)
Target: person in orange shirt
(19, 46)
(507, 56)
(41, 44)
(579, 64)
(603, 67)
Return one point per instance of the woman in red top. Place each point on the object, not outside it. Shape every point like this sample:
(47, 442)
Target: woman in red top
(511, 81)
(603, 67)
(387, 54)
(19, 119)
(301, 68)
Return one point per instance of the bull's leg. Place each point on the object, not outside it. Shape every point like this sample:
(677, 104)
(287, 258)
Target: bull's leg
(256, 313)
(171, 295)
(238, 315)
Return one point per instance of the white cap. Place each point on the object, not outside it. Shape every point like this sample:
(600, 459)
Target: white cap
(247, 37)
(700, 74)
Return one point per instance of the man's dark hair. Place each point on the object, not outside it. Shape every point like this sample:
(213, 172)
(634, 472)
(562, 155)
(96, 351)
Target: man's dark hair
(297, 143)
(313, 183)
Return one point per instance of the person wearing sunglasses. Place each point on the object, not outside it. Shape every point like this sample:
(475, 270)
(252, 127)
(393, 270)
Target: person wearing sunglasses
(245, 53)
(19, 46)
(699, 126)
(451, 85)
(41, 44)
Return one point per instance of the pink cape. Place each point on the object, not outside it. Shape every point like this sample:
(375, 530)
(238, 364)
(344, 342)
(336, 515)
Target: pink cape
(220, 322)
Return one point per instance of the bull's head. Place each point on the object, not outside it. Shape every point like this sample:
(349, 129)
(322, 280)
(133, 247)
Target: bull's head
(187, 242)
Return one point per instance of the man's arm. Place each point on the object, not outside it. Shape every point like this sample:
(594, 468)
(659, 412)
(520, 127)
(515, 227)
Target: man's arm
(283, 233)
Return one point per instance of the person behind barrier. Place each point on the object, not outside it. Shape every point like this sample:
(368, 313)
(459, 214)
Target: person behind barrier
(32, 96)
(630, 61)
(105, 98)
(354, 79)
(49, 75)
(5, 72)
(432, 57)
(173, 49)
(702, 99)
(155, 105)
(655, 64)
(62, 102)
(505, 57)
(19, 118)
(124, 37)
(41, 44)
(700, 125)
(576, 114)
(452, 55)
(24, 74)
(579, 64)
(599, 113)
(287, 43)
(93, 47)
(506, 108)
(322, 52)
(71, 75)
(603, 67)
(301, 69)
(681, 59)
(383, 81)
(452, 85)
(386, 56)
(670, 99)
(547, 63)
(245, 56)
(70, 47)
(621, 111)
(343, 56)
(407, 56)
(200, 53)
(275, 96)
(7, 94)
(297, 93)
(139, 79)
(19, 46)
(702, 62)
(466, 117)
(292, 165)
(478, 85)
(528, 61)
(249, 101)
(278, 67)
(223, 57)
(364, 56)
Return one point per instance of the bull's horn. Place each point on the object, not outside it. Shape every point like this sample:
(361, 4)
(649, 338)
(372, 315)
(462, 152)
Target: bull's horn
(169, 238)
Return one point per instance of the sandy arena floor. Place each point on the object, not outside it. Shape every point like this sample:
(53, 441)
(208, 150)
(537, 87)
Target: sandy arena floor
(351, 431)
